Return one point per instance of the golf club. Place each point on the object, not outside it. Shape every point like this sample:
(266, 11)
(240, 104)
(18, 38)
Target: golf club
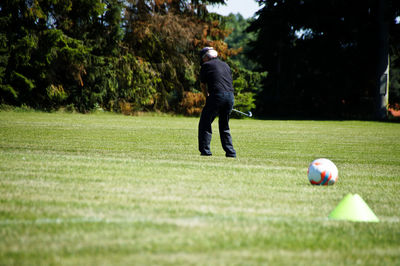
(249, 114)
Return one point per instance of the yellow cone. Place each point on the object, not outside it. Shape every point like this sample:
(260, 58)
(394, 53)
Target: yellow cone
(353, 208)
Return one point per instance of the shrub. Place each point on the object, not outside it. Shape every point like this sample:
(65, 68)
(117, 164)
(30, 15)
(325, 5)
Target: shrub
(192, 103)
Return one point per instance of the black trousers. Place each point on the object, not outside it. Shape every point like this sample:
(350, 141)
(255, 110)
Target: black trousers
(221, 105)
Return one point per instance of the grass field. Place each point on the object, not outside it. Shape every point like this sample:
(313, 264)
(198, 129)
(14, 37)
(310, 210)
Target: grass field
(106, 189)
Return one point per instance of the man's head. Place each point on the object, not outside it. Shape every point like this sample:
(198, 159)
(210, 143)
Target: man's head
(207, 53)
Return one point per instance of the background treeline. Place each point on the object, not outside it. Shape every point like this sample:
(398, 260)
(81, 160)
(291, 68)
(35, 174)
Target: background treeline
(322, 56)
(116, 55)
(132, 55)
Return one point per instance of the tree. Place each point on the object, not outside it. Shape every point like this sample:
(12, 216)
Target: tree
(239, 39)
(321, 56)
(52, 51)
(168, 35)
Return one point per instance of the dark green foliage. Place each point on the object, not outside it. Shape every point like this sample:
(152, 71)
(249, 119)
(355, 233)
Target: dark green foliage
(394, 82)
(49, 53)
(247, 85)
(321, 56)
(246, 81)
(239, 39)
(65, 53)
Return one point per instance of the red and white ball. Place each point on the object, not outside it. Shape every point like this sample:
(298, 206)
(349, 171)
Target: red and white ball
(322, 172)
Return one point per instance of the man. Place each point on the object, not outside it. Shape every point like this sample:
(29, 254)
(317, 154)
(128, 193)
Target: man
(216, 84)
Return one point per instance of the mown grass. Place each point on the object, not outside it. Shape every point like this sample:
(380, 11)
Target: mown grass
(106, 189)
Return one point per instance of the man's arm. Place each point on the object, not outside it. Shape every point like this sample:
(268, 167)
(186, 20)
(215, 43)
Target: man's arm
(203, 87)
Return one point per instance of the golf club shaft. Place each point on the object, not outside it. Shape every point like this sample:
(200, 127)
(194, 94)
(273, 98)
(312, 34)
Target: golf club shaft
(241, 112)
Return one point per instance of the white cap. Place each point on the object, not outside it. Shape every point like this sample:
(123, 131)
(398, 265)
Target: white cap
(212, 53)
(209, 52)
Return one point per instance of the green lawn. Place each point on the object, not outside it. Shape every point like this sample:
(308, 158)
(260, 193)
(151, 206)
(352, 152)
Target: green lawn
(106, 189)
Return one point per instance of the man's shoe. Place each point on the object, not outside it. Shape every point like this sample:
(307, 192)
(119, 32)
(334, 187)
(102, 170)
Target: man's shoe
(231, 155)
(205, 154)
